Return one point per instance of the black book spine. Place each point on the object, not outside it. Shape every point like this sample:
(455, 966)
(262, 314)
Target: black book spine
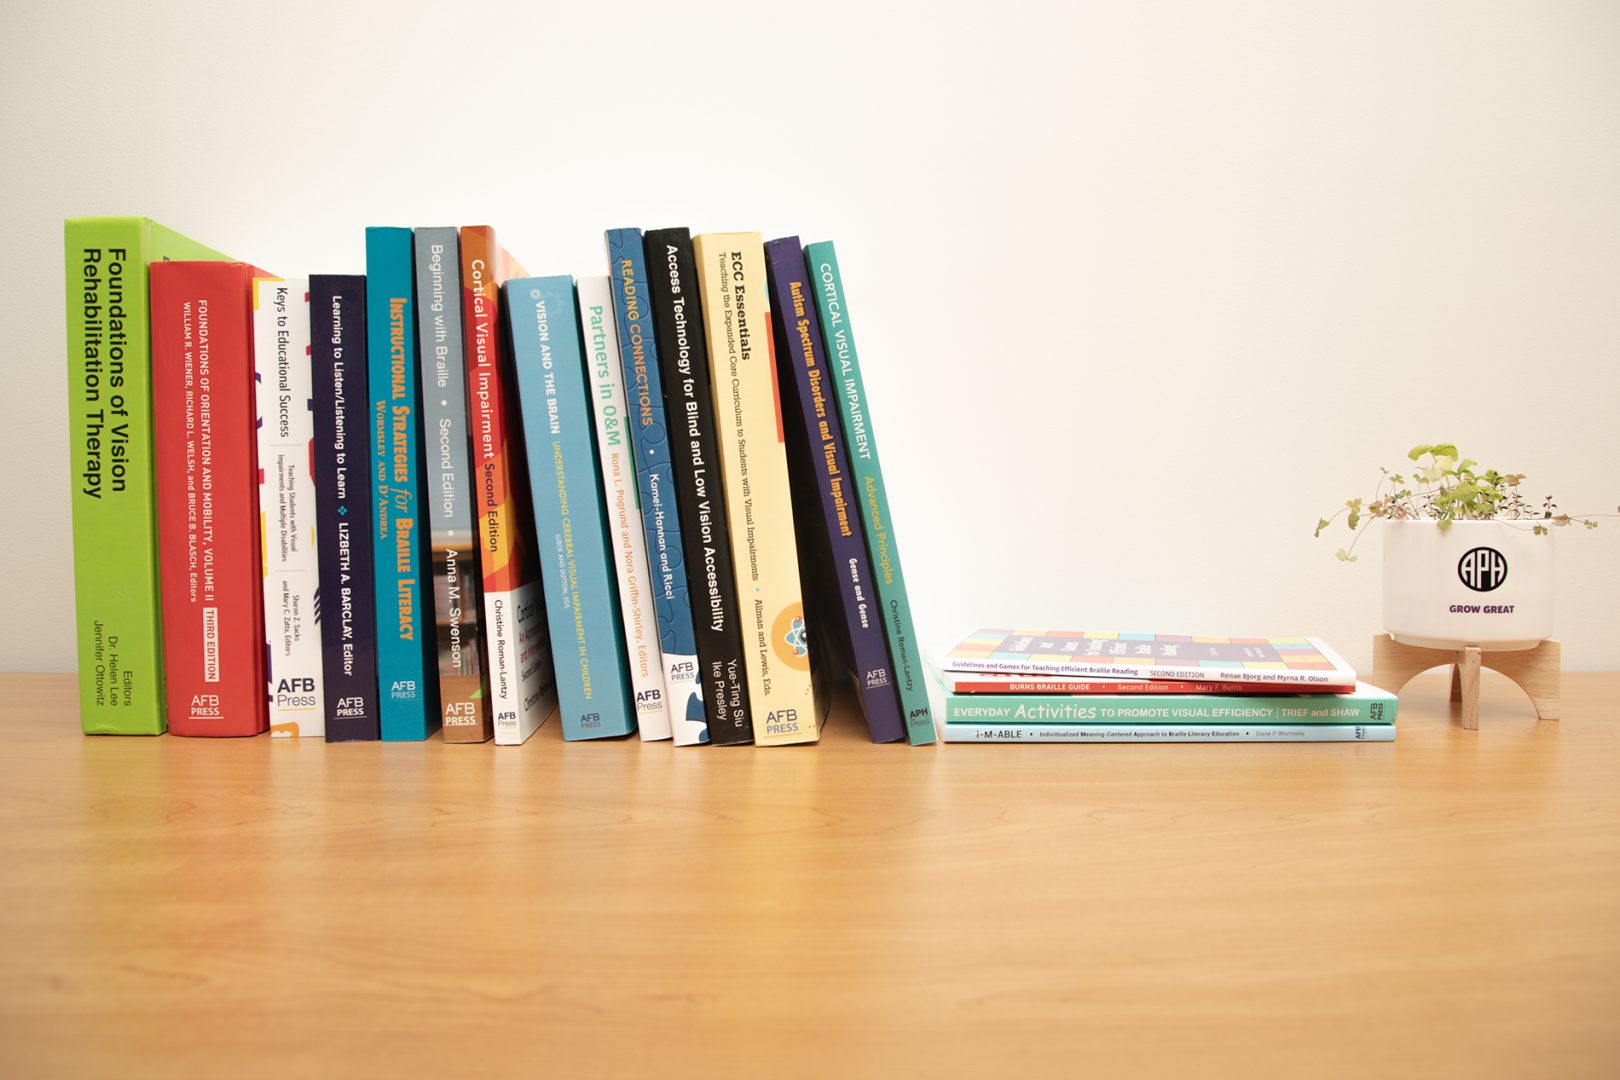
(342, 463)
(683, 356)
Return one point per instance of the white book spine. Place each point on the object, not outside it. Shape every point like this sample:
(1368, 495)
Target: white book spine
(522, 692)
(647, 676)
(1167, 733)
(283, 387)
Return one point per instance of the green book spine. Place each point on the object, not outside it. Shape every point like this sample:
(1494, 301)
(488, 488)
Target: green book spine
(1368, 705)
(822, 262)
(115, 569)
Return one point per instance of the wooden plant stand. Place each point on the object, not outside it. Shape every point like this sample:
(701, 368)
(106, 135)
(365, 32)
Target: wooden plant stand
(1536, 671)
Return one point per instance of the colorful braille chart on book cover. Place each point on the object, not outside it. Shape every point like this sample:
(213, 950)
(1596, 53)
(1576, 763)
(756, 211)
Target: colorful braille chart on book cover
(1280, 659)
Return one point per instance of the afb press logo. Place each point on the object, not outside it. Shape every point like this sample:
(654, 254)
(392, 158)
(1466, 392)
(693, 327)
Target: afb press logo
(1482, 569)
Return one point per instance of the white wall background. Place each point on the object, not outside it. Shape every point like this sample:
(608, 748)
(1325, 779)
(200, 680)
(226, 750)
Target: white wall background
(1142, 288)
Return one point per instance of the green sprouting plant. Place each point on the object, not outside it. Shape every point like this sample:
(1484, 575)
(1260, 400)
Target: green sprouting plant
(1443, 486)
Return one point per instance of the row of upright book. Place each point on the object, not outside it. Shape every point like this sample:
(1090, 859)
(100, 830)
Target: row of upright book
(449, 495)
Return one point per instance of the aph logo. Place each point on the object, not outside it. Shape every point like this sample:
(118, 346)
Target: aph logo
(1482, 569)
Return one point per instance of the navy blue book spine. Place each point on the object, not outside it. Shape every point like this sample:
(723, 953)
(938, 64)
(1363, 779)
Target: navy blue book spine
(342, 470)
(802, 363)
(683, 354)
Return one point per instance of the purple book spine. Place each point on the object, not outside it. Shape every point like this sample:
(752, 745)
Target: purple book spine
(825, 453)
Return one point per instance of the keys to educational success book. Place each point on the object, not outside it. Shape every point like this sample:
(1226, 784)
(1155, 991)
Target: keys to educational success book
(576, 571)
(655, 482)
(337, 306)
(287, 517)
(822, 457)
(406, 672)
(523, 690)
(821, 259)
(458, 596)
(207, 497)
(115, 527)
(699, 487)
(625, 532)
(782, 696)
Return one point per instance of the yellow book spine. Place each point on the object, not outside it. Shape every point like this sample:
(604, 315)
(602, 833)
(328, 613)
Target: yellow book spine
(736, 313)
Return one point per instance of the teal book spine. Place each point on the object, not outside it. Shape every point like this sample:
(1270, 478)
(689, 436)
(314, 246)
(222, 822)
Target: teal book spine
(1367, 705)
(882, 546)
(576, 568)
(655, 480)
(405, 664)
(1168, 733)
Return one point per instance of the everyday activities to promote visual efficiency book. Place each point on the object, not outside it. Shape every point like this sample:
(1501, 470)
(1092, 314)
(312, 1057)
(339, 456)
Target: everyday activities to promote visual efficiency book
(629, 542)
(737, 314)
(522, 688)
(207, 497)
(655, 482)
(1169, 733)
(843, 361)
(576, 560)
(116, 591)
(1367, 704)
(458, 595)
(406, 666)
(343, 464)
(700, 490)
(1299, 661)
(813, 422)
(287, 516)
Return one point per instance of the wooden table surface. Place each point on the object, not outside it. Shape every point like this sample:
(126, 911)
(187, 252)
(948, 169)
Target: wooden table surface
(1448, 905)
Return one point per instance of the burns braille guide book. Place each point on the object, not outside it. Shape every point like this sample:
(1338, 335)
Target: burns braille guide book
(1304, 662)
(655, 481)
(343, 462)
(700, 490)
(817, 447)
(576, 562)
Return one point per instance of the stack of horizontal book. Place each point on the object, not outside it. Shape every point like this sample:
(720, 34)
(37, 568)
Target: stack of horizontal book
(1092, 686)
(447, 495)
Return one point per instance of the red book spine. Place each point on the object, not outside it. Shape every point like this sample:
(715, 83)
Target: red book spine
(205, 453)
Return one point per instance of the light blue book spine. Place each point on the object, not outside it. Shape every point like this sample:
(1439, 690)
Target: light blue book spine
(884, 549)
(655, 482)
(576, 568)
(406, 688)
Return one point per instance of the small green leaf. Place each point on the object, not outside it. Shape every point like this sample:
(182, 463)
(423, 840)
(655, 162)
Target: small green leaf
(1418, 451)
(1444, 450)
(1345, 556)
(1321, 523)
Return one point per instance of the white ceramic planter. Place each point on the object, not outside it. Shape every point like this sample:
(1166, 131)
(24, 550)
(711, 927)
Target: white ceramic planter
(1483, 583)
